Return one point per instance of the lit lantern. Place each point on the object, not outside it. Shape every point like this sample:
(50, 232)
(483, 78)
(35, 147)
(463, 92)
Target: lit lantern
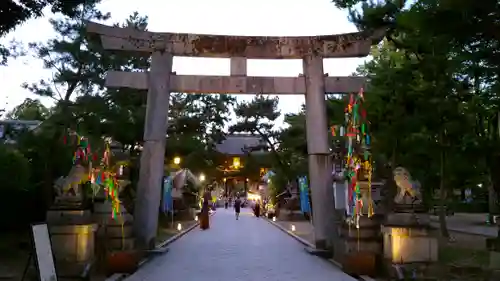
(293, 227)
(177, 160)
(179, 227)
(236, 162)
(262, 172)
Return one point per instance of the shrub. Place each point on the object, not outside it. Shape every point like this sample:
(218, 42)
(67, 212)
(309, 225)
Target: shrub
(14, 170)
(16, 195)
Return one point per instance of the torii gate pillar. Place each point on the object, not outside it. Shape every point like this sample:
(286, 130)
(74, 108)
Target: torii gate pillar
(320, 166)
(153, 154)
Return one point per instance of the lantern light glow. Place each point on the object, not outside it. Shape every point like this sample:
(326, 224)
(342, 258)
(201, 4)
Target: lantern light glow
(177, 160)
(236, 162)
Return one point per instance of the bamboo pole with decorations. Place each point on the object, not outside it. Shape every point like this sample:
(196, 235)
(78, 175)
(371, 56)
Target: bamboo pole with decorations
(102, 176)
(358, 159)
(363, 246)
(358, 169)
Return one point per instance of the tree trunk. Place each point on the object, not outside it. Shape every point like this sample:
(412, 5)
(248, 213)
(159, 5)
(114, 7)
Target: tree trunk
(442, 197)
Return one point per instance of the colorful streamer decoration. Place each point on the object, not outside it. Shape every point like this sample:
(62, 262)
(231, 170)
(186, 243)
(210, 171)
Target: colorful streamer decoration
(106, 177)
(358, 167)
(103, 176)
(83, 150)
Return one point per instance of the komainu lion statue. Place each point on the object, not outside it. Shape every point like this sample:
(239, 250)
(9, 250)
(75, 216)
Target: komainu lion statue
(408, 189)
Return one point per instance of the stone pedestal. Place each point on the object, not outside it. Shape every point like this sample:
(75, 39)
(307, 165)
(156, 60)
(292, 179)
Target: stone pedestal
(114, 234)
(493, 245)
(72, 234)
(73, 245)
(408, 244)
(362, 241)
(68, 210)
(362, 246)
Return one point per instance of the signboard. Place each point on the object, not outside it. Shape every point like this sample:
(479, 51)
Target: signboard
(43, 252)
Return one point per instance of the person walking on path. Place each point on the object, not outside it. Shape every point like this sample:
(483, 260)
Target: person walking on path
(237, 207)
(205, 208)
(256, 208)
(226, 202)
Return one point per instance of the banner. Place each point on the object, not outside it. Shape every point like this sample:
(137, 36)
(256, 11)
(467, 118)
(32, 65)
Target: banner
(305, 206)
(168, 201)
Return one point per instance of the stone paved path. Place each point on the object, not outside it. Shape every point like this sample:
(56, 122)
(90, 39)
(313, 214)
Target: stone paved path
(468, 223)
(249, 249)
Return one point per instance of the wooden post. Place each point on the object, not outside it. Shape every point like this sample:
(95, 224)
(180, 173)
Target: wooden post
(153, 153)
(238, 67)
(320, 166)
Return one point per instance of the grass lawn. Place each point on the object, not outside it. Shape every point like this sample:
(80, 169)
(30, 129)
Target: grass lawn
(460, 256)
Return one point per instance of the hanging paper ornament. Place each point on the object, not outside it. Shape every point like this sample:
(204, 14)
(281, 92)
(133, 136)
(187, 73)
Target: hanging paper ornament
(358, 158)
(333, 130)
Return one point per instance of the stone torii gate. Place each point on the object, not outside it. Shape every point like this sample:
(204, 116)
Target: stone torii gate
(160, 81)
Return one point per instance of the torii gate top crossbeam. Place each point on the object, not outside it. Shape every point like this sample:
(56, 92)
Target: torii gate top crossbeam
(355, 44)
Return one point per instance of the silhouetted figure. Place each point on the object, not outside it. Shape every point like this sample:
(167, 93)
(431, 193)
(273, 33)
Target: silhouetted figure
(256, 209)
(237, 207)
(205, 208)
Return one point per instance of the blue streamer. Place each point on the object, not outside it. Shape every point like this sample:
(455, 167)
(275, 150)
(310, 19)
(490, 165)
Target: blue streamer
(305, 205)
(168, 200)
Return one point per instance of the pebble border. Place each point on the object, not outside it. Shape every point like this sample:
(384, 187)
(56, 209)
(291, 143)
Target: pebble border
(300, 239)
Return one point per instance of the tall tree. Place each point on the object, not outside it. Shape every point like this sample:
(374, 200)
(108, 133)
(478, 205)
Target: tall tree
(452, 57)
(72, 59)
(258, 117)
(14, 13)
(29, 110)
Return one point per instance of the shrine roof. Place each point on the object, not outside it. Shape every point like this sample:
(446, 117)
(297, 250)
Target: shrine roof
(238, 144)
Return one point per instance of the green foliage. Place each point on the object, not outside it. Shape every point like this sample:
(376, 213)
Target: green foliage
(14, 169)
(83, 103)
(77, 62)
(43, 153)
(433, 87)
(258, 117)
(13, 13)
(293, 145)
(196, 125)
(29, 110)
(16, 189)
